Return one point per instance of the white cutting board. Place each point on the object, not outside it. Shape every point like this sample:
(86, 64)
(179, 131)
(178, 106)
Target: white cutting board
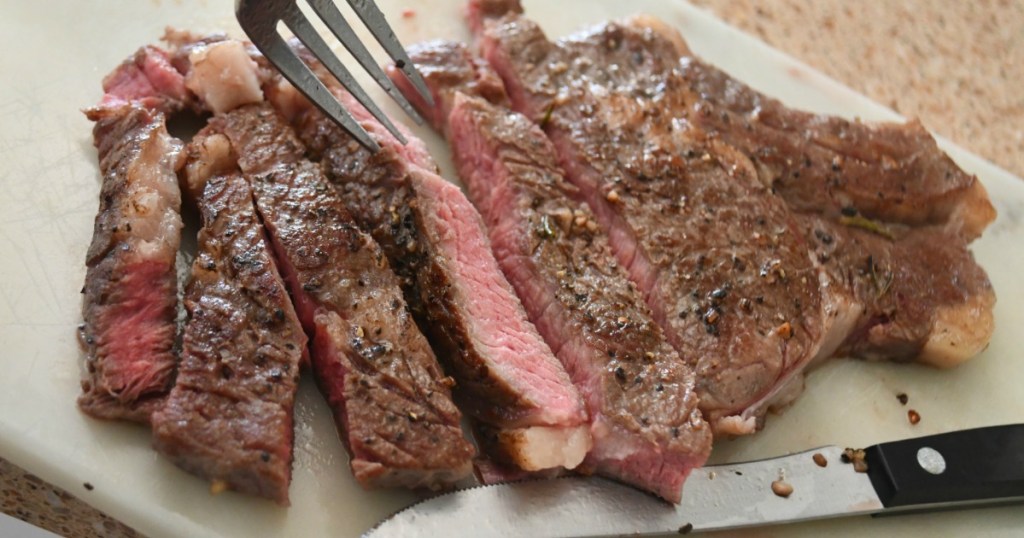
(54, 55)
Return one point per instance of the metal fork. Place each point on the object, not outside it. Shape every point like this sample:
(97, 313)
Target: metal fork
(259, 19)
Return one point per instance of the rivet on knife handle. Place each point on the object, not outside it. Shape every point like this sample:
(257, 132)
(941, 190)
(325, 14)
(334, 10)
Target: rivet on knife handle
(977, 466)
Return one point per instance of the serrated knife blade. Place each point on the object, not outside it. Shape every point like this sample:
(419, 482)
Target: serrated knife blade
(957, 469)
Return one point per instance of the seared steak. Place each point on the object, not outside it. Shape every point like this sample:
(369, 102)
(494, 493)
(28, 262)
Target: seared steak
(528, 412)
(721, 261)
(644, 419)
(827, 165)
(919, 293)
(933, 306)
(866, 199)
(148, 79)
(530, 416)
(889, 215)
(229, 416)
(130, 304)
(390, 399)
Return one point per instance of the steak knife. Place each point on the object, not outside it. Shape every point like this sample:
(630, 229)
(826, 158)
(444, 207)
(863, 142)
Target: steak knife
(960, 469)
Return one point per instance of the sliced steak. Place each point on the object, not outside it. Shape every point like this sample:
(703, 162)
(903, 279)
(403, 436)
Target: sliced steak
(390, 399)
(528, 412)
(130, 293)
(721, 261)
(228, 418)
(448, 66)
(644, 419)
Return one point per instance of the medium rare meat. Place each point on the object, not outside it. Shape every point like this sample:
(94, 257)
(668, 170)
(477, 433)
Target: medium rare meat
(721, 261)
(130, 305)
(229, 416)
(530, 416)
(147, 79)
(390, 399)
(850, 177)
(528, 412)
(644, 419)
(865, 199)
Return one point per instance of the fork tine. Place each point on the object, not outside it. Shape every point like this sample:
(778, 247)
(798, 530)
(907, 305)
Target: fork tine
(332, 17)
(273, 46)
(300, 26)
(382, 32)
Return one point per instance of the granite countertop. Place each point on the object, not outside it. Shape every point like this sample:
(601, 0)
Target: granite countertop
(957, 66)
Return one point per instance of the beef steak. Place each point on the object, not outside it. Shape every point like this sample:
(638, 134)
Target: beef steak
(130, 294)
(528, 412)
(229, 416)
(721, 261)
(390, 399)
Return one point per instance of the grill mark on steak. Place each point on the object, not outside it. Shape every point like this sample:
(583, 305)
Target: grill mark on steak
(721, 261)
(528, 411)
(390, 399)
(129, 305)
(644, 419)
(229, 416)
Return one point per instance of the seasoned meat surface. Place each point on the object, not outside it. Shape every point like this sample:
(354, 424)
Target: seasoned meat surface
(390, 398)
(229, 416)
(644, 419)
(529, 413)
(129, 304)
(630, 99)
(722, 264)
(827, 165)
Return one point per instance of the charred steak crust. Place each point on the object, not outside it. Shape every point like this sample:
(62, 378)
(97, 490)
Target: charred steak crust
(723, 266)
(130, 304)
(390, 398)
(229, 416)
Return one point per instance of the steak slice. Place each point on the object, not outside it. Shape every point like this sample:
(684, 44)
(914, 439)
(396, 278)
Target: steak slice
(529, 414)
(390, 399)
(228, 418)
(721, 261)
(645, 423)
(130, 293)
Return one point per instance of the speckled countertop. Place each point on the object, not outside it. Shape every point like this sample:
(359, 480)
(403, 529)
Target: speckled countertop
(958, 66)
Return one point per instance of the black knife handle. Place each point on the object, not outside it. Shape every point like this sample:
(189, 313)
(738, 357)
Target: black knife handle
(978, 466)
